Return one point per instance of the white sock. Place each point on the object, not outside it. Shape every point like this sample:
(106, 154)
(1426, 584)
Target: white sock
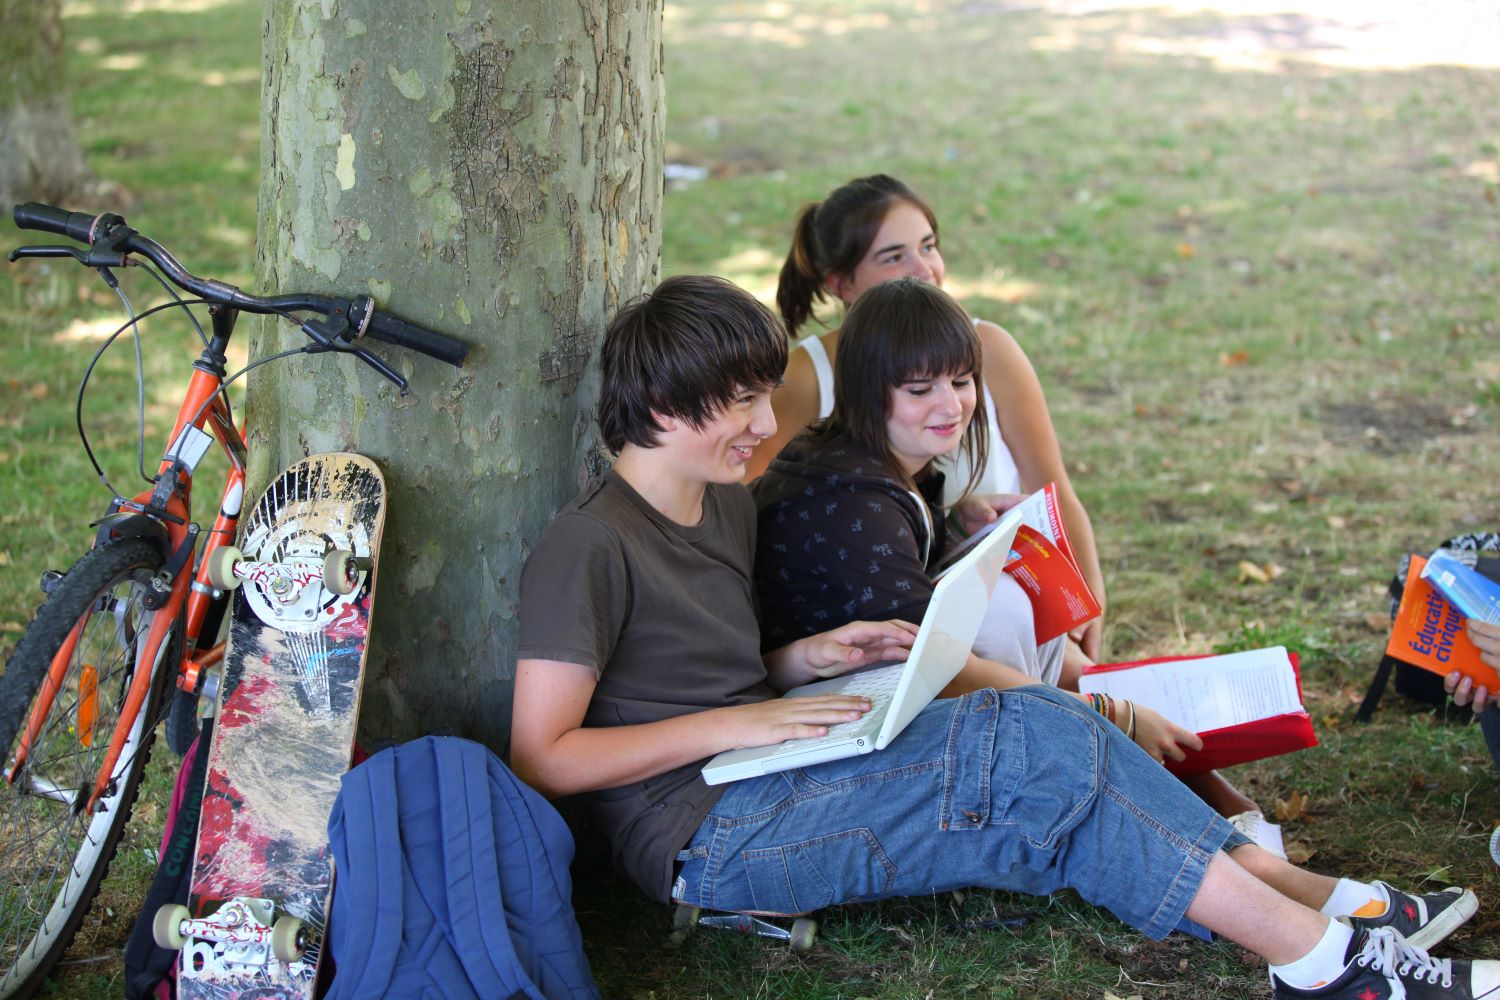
(1356, 899)
(1320, 966)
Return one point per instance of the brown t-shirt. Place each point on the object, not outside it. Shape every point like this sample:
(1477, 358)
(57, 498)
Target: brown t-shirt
(665, 615)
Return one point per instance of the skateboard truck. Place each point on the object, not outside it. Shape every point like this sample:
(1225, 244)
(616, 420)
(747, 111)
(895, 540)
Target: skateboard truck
(802, 935)
(237, 936)
(338, 573)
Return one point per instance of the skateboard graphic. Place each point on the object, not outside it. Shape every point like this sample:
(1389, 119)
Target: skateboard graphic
(303, 583)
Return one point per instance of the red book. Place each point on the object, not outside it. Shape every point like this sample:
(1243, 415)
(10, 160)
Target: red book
(1244, 706)
(1042, 562)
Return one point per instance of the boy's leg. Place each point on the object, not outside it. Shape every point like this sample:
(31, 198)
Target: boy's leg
(1030, 792)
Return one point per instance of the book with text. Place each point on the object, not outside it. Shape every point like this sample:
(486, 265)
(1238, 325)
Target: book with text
(1473, 593)
(1245, 706)
(1043, 563)
(1428, 632)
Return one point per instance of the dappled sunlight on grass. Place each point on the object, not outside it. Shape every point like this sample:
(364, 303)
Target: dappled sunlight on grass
(123, 62)
(128, 8)
(754, 269)
(995, 285)
(1264, 36)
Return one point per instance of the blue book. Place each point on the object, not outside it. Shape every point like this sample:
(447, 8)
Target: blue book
(1472, 593)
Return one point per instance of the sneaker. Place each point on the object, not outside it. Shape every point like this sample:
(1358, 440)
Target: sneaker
(1382, 966)
(1265, 835)
(1425, 921)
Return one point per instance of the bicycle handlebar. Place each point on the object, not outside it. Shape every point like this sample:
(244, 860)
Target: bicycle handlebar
(110, 240)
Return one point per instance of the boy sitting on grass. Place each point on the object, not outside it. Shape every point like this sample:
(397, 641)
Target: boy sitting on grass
(639, 659)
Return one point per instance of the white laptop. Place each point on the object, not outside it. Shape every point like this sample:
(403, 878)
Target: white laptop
(897, 691)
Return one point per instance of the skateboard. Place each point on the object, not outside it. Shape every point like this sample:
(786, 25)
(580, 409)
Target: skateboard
(303, 582)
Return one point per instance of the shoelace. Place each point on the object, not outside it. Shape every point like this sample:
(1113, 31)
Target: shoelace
(1390, 954)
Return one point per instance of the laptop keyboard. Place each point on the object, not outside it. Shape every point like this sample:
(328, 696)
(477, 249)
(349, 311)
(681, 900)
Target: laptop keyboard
(877, 685)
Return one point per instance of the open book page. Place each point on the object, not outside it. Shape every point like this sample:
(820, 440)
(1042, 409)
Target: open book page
(1039, 512)
(1209, 693)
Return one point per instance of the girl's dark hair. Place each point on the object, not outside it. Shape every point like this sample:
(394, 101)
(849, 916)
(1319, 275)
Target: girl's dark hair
(897, 332)
(833, 236)
(685, 350)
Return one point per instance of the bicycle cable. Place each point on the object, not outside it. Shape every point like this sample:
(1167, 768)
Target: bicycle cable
(140, 375)
(89, 371)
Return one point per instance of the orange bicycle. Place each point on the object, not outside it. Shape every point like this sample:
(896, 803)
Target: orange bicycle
(83, 692)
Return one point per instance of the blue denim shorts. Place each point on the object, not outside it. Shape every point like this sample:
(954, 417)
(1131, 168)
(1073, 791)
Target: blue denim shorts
(1027, 791)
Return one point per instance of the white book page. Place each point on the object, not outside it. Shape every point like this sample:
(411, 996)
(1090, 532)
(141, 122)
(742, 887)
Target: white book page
(1210, 693)
(1034, 514)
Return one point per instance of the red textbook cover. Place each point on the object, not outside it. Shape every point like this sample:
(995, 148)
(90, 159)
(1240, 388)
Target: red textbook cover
(1043, 563)
(1429, 632)
(1270, 736)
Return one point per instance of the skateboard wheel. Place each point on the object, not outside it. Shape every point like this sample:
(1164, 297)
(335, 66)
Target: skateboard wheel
(286, 943)
(166, 928)
(684, 919)
(220, 565)
(341, 571)
(804, 934)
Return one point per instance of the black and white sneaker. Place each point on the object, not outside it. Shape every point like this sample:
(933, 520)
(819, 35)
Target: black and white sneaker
(1426, 920)
(1382, 966)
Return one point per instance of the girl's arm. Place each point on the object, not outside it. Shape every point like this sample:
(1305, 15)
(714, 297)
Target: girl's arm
(552, 751)
(1153, 732)
(795, 405)
(1026, 425)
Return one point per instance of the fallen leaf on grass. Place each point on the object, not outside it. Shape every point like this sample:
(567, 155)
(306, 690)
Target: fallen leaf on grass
(1110, 996)
(12, 627)
(1299, 852)
(1235, 359)
(1378, 622)
(1186, 251)
(1250, 572)
(1337, 523)
(1293, 808)
(4, 558)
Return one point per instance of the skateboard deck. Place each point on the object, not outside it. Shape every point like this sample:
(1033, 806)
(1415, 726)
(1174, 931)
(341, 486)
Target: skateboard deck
(287, 711)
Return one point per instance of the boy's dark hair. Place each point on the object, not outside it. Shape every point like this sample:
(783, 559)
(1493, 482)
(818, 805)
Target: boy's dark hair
(685, 350)
(833, 236)
(895, 333)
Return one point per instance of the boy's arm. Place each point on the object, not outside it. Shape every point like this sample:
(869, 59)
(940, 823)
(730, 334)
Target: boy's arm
(552, 751)
(838, 651)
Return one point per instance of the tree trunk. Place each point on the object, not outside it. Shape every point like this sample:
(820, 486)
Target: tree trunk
(490, 169)
(39, 156)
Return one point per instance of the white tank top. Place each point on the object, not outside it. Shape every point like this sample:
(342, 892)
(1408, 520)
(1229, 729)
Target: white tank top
(1000, 473)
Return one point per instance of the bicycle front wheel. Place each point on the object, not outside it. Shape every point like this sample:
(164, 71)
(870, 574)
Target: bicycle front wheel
(53, 852)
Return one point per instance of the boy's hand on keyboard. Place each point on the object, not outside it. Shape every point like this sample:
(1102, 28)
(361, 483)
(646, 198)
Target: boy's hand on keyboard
(858, 644)
(768, 722)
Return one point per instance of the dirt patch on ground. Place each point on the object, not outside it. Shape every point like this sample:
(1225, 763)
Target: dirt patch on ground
(1392, 426)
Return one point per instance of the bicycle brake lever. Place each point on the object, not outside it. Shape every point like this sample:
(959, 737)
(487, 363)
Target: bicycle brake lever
(359, 352)
(47, 251)
(380, 366)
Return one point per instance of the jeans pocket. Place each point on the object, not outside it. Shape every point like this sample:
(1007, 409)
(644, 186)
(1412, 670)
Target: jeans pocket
(1055, 775)
(812, 874)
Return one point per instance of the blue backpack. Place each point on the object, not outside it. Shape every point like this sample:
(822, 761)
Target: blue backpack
(451, 881)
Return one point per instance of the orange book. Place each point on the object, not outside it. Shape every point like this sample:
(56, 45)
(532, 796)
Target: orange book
(1429, 633)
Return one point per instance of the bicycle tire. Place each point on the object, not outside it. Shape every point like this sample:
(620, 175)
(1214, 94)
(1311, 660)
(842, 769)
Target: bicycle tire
(53, 856)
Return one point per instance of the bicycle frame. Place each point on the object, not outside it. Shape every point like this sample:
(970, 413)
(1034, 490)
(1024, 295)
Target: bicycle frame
(188, 593)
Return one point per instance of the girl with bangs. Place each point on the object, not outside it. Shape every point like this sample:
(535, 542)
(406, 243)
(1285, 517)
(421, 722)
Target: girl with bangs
(851, 512)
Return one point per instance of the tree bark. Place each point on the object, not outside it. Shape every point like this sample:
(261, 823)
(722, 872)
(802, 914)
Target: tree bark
(39, 156)
(490, 169)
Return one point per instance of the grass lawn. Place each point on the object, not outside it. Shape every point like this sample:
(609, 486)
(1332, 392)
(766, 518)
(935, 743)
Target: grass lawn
(1253, 256)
